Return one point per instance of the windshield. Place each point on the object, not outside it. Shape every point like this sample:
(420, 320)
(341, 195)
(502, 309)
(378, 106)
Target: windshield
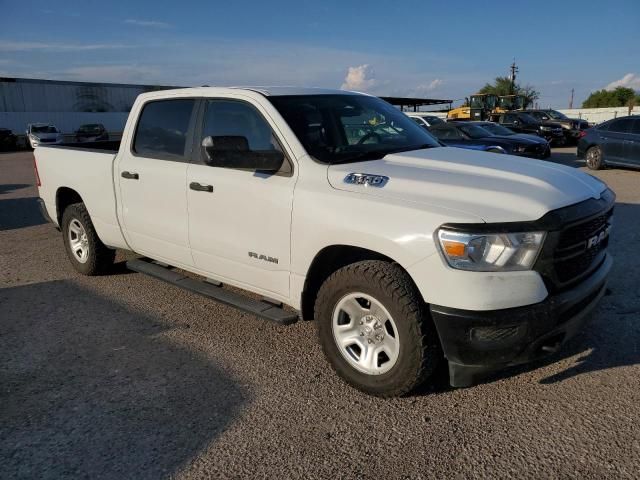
(90, 129)
(526, 118)
(347, 128)
(434, 120)
(43, 129)
(477, 101)
(474, 131)
(556, 115)
(496, 129)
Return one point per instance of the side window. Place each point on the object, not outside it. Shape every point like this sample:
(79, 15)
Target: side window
(446, 133)
(621, 126)
(508, 118)
(635, 129)
(418, 121)
(163, 128)
(241, 130)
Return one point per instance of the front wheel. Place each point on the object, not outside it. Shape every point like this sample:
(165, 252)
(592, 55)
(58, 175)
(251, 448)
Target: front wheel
(375, 329)
(87, 253)
(594, 158)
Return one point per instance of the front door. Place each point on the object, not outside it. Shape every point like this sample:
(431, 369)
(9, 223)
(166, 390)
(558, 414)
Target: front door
(239, 219)
(615, 139)
(632, 148)
(152, 181)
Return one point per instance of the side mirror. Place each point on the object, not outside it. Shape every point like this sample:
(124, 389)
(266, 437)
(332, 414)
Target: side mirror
(234, 152)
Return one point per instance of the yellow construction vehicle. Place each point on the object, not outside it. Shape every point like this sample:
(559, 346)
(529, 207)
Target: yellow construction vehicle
(479, 107)
(509, 103)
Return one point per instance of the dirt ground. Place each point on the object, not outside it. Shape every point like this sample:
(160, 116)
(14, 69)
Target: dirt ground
(122, 376)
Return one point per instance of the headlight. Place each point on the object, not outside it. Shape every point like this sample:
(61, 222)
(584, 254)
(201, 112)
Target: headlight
(490, 252)
(545, 128)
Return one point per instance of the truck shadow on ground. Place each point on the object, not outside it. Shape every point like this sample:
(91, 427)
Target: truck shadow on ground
(20, 213)
(566, 158)
(91, 389)
(11, 187)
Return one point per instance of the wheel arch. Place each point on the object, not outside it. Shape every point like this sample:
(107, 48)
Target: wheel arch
(327, 261)
(65, 196)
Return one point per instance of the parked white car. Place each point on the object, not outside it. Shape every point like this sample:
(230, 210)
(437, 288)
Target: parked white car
(337, 205)
(426, 119)
(43, 134)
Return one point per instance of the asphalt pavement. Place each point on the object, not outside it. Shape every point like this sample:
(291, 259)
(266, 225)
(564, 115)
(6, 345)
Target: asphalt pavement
(123, 376)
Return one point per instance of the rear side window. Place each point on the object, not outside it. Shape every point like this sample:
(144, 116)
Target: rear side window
(163, 128)
(621, 126)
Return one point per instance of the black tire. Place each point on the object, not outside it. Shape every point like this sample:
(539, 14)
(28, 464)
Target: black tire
(593, 158)
(99, 259)
(419, 348)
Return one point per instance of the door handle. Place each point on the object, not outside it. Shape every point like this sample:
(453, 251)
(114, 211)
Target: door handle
(130, 175)
(198, 187)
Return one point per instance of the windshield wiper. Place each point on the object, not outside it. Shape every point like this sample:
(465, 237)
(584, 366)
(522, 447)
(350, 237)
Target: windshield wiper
(380, 154)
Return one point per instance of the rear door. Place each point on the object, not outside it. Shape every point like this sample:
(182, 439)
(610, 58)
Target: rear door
(632, 147)
(152, 181)
(240, 220)
(614, 139)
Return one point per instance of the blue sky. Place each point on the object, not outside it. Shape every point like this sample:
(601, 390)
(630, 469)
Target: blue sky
(444, 49)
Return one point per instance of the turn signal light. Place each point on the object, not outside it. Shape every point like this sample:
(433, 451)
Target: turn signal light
(453, 249)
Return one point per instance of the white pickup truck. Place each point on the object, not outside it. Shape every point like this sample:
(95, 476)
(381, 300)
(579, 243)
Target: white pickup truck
(335, 206)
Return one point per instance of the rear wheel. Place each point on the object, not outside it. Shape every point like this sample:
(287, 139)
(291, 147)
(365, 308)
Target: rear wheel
(87, 253)
(594, 158)
(375, 329)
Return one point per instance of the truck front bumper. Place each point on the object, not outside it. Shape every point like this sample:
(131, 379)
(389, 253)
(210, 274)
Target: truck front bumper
(479, 342)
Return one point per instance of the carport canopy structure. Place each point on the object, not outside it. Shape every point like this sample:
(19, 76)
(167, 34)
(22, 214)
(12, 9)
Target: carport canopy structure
(414, 103)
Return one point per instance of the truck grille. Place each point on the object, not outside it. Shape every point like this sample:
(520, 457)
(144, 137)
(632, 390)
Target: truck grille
(581, 247)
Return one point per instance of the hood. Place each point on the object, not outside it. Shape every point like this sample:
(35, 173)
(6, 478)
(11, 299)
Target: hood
(493, 187)
(552, 124)
(528, 136)
(516, 139)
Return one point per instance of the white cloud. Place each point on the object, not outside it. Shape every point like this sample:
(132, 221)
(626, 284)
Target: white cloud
(428, 87)
(361, 78)
(146, 23)
(630, 80)
(55, 47)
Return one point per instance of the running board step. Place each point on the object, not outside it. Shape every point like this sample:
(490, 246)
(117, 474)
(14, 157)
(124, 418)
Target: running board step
(256, 307)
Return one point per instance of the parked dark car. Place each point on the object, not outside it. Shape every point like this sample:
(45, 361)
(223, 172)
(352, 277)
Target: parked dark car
(571, 126)
(8, 141)
(540, 148)
(471, 136)
(615, 142)
(91, 132)
(525, 123)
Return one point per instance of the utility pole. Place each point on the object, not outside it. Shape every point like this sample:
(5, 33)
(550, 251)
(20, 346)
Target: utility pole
(571, 101)
(514, 69)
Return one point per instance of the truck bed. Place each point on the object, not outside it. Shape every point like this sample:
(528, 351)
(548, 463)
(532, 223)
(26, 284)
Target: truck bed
(85, 169)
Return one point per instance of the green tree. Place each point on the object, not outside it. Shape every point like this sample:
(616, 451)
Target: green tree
(502, 86)
(618, 97)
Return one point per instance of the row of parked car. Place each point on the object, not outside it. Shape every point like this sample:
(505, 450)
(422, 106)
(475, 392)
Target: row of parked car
(531, 134)
(47, 134)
